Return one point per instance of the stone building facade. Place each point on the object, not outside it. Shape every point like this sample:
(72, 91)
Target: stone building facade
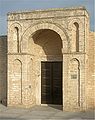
(50, 59)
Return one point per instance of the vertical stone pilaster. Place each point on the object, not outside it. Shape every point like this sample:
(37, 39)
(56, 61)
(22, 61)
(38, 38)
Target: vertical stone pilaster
(65, 81)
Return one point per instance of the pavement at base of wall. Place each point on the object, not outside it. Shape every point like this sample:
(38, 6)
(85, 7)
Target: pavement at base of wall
(43, 113)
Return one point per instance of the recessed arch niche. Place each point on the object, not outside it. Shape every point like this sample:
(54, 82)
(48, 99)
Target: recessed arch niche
(74, 81)
(17, 81)
(16, 32)
(42, 26)
(75, 37)
(45, 42)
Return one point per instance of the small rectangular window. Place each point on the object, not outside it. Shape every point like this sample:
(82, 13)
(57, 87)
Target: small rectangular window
(74, 76)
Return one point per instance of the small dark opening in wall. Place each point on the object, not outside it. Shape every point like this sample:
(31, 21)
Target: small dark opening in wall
(17, 35)
(77, 36)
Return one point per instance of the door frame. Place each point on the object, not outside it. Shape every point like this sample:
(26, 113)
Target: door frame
(41, 82)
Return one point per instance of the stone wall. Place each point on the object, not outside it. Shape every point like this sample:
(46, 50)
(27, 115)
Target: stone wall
(90, 84)
(3, 69)
(30, 42)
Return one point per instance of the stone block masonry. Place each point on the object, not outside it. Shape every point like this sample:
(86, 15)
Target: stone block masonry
(50, 36)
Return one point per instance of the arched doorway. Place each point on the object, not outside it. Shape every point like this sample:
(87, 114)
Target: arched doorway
(45, 45)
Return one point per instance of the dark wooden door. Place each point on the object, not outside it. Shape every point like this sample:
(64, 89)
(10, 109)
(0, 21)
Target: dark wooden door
(51, 83)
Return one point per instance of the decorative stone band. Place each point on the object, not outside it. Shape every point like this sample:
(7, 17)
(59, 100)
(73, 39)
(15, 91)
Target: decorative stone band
(45, 14)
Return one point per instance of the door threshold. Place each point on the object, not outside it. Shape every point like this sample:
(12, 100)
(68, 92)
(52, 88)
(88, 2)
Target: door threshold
(50, 105)
(60, 107)
(53, 105)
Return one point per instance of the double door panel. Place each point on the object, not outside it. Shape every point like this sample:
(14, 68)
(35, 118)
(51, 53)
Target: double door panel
(51, 83)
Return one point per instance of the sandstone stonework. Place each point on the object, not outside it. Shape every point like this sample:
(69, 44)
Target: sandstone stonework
(51, 35)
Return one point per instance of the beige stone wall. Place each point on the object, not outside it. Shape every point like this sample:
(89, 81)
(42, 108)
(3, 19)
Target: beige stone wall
(94, 69)
(21, 88)
(3, 69)
(48, 35)
(90, 85)
(74, 90)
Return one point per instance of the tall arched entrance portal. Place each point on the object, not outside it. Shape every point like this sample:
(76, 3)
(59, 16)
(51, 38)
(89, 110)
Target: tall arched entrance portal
(46, 46)
(47, 58)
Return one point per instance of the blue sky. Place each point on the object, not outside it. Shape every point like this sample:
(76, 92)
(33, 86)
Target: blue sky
(16, 5)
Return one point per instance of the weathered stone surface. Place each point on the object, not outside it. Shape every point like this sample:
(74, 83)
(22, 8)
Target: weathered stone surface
(51, 35)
